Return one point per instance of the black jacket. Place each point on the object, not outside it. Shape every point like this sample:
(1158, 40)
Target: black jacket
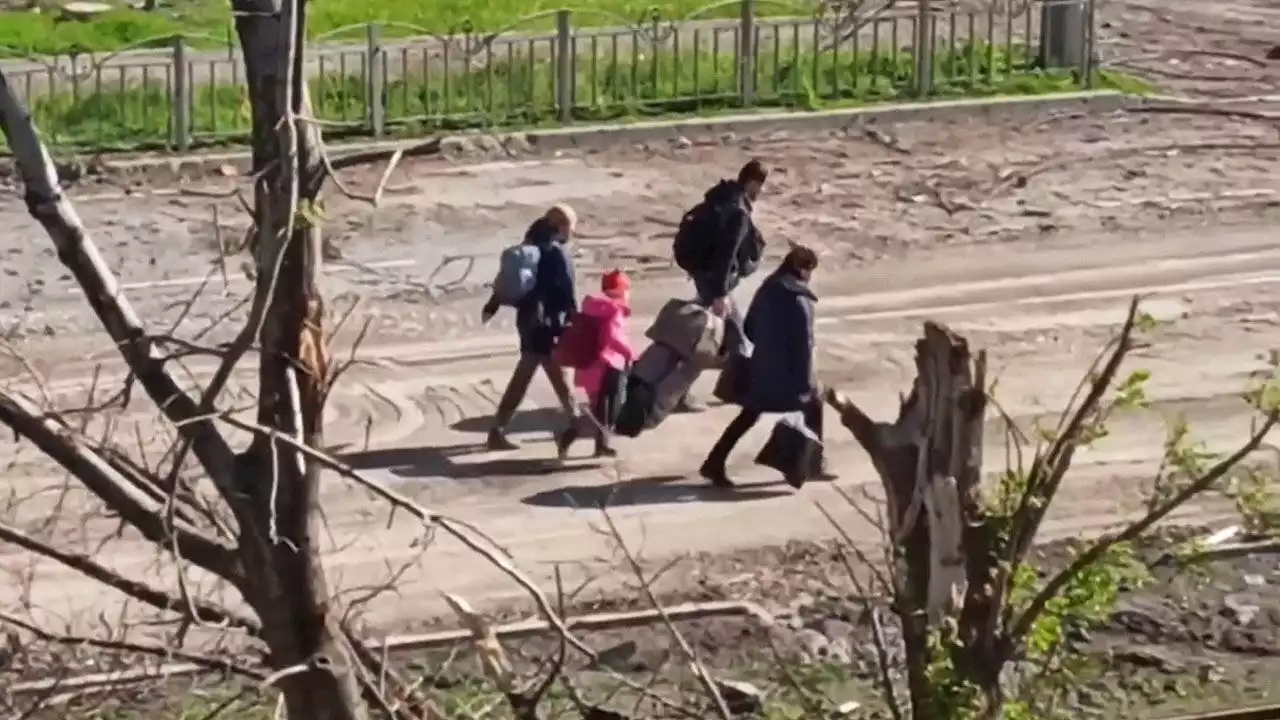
(542, 315)
(737, 250)
(779, 324)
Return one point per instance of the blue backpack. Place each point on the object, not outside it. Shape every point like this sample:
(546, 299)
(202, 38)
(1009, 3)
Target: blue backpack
(517, 273)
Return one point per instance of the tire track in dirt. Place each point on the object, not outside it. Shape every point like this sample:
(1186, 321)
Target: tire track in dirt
(385, 404)
(866, 341)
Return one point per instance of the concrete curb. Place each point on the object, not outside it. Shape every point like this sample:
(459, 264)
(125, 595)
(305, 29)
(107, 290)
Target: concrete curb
(597, 137)
(764, 123)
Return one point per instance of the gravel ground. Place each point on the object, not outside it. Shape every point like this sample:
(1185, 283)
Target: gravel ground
(1185, 642)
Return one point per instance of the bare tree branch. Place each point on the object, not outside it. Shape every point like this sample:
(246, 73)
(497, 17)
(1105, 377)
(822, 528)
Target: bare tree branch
(1055, 585)
(205, 661)
(1049, 468)
(138, 509)
(76, 250)
(90, 568)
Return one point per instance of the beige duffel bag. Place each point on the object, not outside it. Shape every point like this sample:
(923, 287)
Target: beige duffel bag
(690, 329)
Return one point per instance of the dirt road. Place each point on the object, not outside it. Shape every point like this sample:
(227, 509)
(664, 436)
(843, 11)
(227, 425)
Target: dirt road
(1029, 238)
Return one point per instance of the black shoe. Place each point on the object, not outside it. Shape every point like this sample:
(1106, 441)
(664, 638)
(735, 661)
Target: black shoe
(564, 439)
(498, 440)
(822, 474)
(687, 405)
(716, 474)
(604, 451)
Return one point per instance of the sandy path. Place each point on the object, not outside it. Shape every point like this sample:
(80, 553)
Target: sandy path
(1042, 313)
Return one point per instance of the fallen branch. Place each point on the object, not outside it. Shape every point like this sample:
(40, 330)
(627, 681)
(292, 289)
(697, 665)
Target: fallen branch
(690, 655)
(1233, 551)
(436, 640)
(1189, 109)
(1222, 54)
(366, 157)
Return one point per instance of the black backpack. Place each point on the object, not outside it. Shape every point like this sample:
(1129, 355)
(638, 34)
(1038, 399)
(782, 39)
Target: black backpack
(696, 238)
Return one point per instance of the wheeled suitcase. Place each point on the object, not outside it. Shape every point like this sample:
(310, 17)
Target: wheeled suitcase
(659, 378)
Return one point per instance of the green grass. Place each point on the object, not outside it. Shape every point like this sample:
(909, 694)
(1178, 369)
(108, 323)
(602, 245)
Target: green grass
(519, 92)
(208, 23)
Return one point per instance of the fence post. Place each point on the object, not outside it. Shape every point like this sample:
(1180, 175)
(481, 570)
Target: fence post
(1062, 33)
(747, 52)
(1088, 33)
(564, 65)
(924, 48)
(180, 97)
(375, 81)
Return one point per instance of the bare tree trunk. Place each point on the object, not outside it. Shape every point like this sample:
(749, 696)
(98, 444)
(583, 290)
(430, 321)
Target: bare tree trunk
(930, 462)
(292, 598)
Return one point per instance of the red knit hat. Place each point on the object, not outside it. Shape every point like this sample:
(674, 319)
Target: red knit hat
(615, 284)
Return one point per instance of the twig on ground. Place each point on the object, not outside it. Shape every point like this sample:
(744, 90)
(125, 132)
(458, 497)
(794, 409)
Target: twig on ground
(700, 670)
(1201, 109)
(867, 595)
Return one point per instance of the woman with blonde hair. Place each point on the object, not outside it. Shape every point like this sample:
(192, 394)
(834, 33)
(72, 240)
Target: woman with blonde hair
(541, 317)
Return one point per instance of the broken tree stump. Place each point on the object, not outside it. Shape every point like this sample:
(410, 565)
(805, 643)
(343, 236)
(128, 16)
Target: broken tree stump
(930, 463)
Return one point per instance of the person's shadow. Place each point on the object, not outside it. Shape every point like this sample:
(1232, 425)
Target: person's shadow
(416, 463)
(543, 419)
(655, 490)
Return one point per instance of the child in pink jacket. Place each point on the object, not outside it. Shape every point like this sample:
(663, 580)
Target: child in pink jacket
(604, 380)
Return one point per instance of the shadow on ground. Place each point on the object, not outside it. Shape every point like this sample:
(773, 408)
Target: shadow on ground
(451, 462)
(545, 419)
(655, 490)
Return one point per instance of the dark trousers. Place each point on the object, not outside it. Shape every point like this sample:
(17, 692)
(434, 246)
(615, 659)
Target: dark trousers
(747, 418)
(518, 387)
(606, 404)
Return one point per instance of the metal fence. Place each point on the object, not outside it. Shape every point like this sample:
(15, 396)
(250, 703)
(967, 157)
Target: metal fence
(186, 98)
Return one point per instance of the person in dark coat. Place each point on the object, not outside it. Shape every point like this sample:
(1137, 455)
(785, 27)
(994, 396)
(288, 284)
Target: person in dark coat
(541, 317)
(735, 255)
(779, 324)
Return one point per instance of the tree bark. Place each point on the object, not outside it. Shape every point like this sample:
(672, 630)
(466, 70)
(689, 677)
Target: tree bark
(291, 595)
(930, 463)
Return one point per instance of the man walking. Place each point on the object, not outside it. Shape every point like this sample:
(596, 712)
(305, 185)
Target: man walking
(718, 244)
(541, 316)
